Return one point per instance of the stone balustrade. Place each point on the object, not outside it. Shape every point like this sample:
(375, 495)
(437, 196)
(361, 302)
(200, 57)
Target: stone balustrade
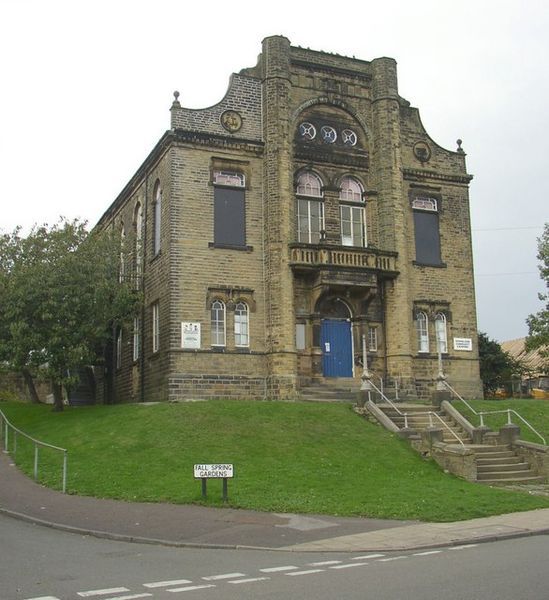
(306, 255)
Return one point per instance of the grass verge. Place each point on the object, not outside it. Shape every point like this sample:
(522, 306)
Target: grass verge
(288, 457)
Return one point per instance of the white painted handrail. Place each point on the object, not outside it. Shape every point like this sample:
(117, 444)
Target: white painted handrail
(481, 414)
(4, 430)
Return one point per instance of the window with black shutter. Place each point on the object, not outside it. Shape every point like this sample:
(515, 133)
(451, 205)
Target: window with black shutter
(426, 227)
(229, 210)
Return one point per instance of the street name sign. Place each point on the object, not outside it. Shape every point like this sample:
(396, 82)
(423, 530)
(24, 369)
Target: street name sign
(214, 471)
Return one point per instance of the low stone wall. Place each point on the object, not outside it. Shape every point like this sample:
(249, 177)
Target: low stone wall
(191, 386)
(458, 460)
(535, 454)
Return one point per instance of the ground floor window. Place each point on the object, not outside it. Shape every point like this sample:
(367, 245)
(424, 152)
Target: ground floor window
(241, 325)
(218, 323)
(155, 327)
(440, 331)
(372, 339)
(422, 324)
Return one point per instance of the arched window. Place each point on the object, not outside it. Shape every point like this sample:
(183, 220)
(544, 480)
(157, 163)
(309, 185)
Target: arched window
(422, 324)
(310, 208)
(241, 325)
(441, 333)
(122, 266)
(351, 207)
(218, 323)
(157, 218)
(138, 236)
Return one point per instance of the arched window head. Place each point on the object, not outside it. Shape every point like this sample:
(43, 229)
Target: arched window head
(218, 323)
(422, 323)
(241, 325)
(351, 190)
(309, 184)
(352, 214)
(157, 218)
(441, 333)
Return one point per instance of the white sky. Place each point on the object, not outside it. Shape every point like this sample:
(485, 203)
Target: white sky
(86, 89)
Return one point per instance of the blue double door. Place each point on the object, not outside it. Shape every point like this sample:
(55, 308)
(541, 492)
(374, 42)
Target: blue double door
(337, 348)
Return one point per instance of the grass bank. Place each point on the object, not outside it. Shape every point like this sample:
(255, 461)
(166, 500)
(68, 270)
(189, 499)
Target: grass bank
(288, 457)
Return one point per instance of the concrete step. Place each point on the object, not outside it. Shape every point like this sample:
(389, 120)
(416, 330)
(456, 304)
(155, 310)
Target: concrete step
(496, 475)
(487, 449)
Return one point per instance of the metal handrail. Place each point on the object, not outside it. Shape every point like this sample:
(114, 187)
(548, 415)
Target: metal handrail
(481, 414)
(430, 413)
(5, 431)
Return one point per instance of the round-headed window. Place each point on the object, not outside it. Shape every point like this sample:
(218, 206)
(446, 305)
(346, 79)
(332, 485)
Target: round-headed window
(329, 134)
(307, 131)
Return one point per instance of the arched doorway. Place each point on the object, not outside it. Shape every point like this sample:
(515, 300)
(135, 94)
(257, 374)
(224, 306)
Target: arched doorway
(336, 339)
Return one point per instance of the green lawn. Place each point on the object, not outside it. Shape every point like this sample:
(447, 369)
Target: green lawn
(288, 457)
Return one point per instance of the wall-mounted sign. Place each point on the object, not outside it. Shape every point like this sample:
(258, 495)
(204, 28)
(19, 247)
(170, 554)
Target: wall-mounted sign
(190, 336)
(464, 344)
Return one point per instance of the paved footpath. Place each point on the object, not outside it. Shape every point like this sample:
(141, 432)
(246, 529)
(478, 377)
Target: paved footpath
(187, 525)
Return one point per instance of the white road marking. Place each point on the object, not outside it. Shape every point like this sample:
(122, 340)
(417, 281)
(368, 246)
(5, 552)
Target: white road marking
(325, 563)
(277, 569)
(391, 558)
(131, 597)
(225, 576)
(349, 565)
(462, 547)
(157, 584)
(309, 572)
(44, 597)
(367, 556)
(427, 553)
(105, 592)
(251, 580)
(191, 588)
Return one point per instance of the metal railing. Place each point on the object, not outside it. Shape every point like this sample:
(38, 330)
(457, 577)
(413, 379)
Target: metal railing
(5, 427)
(482, 413)
(430, 413)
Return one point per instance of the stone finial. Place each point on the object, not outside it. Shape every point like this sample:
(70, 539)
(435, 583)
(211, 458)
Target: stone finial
(459, 148)
(176, 103)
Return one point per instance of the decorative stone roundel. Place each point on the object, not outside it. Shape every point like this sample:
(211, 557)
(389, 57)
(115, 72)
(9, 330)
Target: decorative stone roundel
(348, 136)
(422, 151)
(231, 120)
(307, 131)
(329, 134)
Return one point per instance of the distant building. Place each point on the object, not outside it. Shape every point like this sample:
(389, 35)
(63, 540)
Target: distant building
(536, 373)
(275, 229)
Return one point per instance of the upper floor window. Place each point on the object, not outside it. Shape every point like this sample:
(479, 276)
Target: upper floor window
(122, 266)
(217, 323)
(229, 209)
(157, 218)
(441, 333)
(422, 324)
(353, 222)
(138, 236)
(241, 325)
(310, 209)
(426, 228)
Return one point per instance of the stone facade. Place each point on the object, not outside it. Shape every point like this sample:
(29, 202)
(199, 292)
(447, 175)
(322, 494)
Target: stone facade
(309, 208)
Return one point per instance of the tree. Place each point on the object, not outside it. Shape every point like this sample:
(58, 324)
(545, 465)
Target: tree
(61, 297)
(497, 367)
(538, 324)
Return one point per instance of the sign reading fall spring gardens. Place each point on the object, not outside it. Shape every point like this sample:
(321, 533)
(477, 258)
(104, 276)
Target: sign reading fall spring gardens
(215, 471)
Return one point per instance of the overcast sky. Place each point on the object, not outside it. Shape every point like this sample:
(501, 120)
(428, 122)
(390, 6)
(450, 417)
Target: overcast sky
(87, 86)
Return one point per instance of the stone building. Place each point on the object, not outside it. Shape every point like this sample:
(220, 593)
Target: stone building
(275, 229)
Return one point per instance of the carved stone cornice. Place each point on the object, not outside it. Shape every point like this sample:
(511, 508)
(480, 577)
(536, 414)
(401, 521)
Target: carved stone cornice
(218, 141)
(423, 175)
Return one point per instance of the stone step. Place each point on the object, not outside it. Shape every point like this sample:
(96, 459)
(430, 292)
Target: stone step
(528, 479)
(500, 468)
(504, 454)
(503, 460)
(487, 449)
(497, 475)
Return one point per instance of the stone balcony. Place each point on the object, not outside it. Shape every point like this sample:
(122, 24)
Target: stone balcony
(308, 257)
